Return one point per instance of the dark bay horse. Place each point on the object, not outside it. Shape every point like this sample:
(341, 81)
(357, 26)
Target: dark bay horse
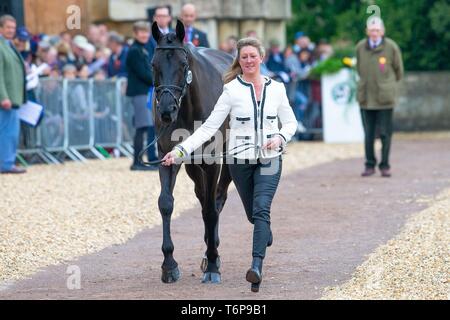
(188, 83)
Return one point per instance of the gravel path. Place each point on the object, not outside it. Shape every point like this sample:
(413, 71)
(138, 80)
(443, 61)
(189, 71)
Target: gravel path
(326, 221)
(413, 265)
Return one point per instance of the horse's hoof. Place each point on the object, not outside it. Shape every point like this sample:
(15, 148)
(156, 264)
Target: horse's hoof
(211, 277)
(170, 276)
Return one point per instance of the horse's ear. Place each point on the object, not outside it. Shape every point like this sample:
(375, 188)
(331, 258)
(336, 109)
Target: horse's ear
(155, 32)
(180, 31)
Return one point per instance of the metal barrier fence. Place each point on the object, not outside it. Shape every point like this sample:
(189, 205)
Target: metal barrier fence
(80, 117)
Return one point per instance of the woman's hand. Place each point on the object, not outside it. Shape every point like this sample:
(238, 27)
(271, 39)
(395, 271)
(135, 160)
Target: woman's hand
(170, 157)
(273, 143)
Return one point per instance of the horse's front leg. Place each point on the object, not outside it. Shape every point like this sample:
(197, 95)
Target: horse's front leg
(210, 215)
(167, 176)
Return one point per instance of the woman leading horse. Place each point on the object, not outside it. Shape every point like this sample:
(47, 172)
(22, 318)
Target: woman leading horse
(255, 105)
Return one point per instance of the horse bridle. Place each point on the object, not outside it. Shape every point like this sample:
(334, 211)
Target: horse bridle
(168, 88)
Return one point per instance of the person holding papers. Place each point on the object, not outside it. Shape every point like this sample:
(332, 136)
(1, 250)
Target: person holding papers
(12, 95)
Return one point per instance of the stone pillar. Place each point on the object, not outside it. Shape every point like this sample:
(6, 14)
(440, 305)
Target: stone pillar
(275, 30)
(228, 28)
(257, 25)
(210, 27)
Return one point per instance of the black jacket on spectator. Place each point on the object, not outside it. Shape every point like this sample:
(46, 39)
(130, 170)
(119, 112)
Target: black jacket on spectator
(140, 76)
(199, 38)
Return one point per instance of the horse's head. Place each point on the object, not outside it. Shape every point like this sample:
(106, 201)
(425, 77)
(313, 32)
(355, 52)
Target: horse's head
(170, 71)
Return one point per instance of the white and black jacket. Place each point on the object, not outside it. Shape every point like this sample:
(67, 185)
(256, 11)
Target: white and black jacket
(249, 123)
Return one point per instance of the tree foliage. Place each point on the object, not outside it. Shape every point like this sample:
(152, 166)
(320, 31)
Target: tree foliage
(420, 27)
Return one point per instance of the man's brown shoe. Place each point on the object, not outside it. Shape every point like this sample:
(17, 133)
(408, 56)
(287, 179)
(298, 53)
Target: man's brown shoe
(368, 172)
(385, 173)
(15, 170)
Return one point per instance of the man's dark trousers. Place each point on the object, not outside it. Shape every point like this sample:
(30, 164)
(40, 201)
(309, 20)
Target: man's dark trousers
(382, 119)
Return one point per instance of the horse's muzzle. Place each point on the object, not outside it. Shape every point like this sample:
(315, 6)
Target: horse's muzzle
(169, 114)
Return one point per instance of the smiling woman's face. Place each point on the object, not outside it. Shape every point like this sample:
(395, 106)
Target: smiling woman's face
(250, 60)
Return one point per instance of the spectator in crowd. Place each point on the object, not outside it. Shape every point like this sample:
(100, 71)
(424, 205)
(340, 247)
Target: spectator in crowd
(302, 41)
(118, 58)
(84, 72)
(275, 62)
(380, 68)
(78, 102)
(297, 88)
(292, 66)
(88, 52)
(303, 95)
(79, 45)
(100, 62)
(66, 42)
(22, 43)
(104, 35)
(12, 95)
(69, 71)
(140, 79)
(64, 53)
(93, 34)
(163, 18)
(252, 34)
(65, 37)
(193, 35)
(323, 51)
(229, 45)
(100, 75)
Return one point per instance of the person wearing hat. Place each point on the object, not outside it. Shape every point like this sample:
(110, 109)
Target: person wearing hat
(22, 44)
(12, 95)
(140, 79)
(79, 44)
(380, 68)
(302, 42)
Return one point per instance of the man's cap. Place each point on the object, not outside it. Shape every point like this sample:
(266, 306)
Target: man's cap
(299, 34)
(80, 40)
(23, 34)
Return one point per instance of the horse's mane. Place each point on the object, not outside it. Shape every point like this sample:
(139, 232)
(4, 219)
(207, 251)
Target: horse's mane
(215, 59)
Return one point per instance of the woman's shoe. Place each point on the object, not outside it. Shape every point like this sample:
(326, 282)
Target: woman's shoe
(254, 274)
(254, 287)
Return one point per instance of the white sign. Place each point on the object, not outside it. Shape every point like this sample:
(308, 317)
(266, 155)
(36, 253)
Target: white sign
(30, 113)
(340, 110)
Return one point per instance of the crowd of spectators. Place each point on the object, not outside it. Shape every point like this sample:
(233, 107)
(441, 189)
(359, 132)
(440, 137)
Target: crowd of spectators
(102, 53)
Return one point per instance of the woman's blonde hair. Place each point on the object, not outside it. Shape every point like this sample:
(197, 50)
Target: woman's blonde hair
(235, 68)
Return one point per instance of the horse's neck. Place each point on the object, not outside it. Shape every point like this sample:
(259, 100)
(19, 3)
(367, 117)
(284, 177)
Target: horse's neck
(191, 110)
(198, 103)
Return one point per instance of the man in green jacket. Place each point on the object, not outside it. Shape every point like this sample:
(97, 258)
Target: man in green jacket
(12, 95)
(380, 67)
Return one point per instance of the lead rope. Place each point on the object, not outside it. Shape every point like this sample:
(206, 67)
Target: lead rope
(180, 160)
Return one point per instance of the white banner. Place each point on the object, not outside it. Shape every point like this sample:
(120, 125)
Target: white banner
(340, 110)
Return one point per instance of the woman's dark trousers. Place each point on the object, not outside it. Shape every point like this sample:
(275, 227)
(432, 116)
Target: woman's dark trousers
(256, 184)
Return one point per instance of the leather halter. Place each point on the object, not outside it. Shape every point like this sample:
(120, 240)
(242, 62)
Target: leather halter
(169, 88)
